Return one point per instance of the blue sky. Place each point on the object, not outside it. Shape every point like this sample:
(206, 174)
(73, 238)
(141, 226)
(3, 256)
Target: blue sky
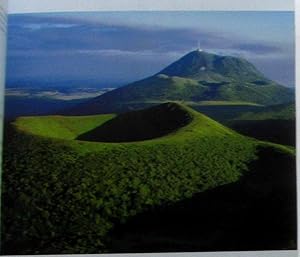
(114, 48)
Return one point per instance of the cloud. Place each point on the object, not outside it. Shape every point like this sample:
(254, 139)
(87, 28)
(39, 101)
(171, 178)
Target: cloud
(39, 26)
(50, 33)
(258, 48)
(57, 33)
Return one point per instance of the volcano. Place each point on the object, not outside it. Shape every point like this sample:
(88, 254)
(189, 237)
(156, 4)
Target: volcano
(195, 78)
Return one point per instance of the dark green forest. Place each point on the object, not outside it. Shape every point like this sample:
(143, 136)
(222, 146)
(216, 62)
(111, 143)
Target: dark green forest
(62, 195)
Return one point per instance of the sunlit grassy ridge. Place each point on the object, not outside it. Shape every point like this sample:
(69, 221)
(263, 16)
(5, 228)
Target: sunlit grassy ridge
(65, 127)
(67, 194)
(60, 126)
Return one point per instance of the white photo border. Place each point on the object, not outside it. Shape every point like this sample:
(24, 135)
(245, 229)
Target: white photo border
(32, 6)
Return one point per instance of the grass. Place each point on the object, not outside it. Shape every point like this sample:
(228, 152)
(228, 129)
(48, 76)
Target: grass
(59, 126)
(68, 128)
(160, 88)
(65, 195)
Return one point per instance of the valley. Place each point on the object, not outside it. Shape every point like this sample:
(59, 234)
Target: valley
(26, 101)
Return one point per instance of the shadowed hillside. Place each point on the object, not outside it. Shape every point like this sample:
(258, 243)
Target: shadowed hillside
(140, 125)
(256, 213)
(277, 131)
(272, 123)
(273, 112)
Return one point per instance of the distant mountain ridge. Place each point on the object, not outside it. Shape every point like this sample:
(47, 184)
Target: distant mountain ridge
(197, 76)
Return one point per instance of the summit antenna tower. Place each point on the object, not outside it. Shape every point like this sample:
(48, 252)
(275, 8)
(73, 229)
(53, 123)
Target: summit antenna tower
(198, 48)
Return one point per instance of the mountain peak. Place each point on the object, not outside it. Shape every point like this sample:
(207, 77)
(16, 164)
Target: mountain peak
(199, 64)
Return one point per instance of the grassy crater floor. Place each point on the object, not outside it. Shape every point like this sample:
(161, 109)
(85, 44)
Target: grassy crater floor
(63, 195)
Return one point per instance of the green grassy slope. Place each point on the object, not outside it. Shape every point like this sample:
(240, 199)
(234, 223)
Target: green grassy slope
(62, 195)
(65, 127)
(162, 88)
(59, 126)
